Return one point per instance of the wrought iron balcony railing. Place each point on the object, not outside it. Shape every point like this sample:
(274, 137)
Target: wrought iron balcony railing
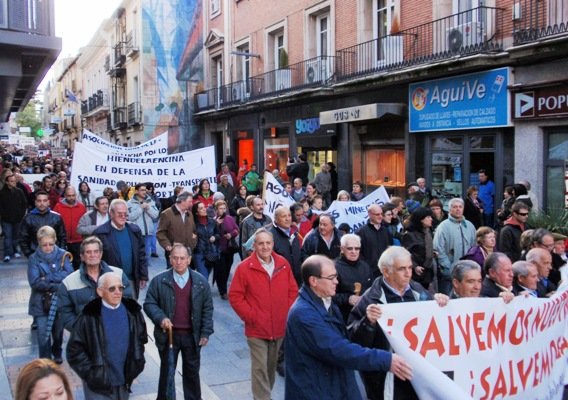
(537, 19)
(134, 114)
(99, 99)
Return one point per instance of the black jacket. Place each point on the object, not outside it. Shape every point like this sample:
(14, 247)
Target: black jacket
(290, 250)
(86, 350)
(373, 243)
(489, 288)
(298, 170)
(415, 242)
(31, 224)
(347, 274)
(13, 205)
(111, 254)
(510, 241)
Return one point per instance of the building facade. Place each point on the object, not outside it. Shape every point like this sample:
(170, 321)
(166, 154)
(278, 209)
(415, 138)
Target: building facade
(391, 90)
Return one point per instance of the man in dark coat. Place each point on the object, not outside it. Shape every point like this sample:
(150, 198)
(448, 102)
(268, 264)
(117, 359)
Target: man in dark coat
(510, 234)
(106, 347)
(123, 245)
(498, 275)
(13, 207)
(299, 169)
(319, 358)
(375, 238)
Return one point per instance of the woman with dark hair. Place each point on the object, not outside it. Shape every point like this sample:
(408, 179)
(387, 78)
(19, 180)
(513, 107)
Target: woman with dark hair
(206, 252)
(60, 187)
(522, 195)
(85, 196)
(357, 193)
(43, 379)
(508, 200)
(239, 201)
(473, 208)
(418, 240)
(438, 213)
(388, 218)
(204, 194)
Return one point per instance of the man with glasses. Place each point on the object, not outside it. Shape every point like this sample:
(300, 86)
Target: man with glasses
(394, 286)
(542, 259)
(261, 293)
(354, 275)
(320, 360)
(123, 245)
(375, 237)
(79, 287)
(510, 234)
(106, 347)
(180, 299)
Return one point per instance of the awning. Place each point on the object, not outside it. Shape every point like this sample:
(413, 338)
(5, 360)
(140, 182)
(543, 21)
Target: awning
(361, 113)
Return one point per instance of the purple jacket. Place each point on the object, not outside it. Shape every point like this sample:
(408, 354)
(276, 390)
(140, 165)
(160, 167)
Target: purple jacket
(475, 254)
(227, 226)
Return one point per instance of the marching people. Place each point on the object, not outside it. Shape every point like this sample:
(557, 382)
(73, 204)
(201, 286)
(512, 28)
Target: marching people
(229, 230)
(498, 281)
(261, 293)
(123, 245)
(250, 224)
(13, 207)
(324, 240)
(106, 347)
(79, 288)
(42, 379)
(143, 211)
(375, 237)
(180, 299)
(47, 267)
(320, 360)
(86, 197)
(466, 279)
(71, 212)
(95, 218)
(418, 240)
(510, 235)
(206, 252)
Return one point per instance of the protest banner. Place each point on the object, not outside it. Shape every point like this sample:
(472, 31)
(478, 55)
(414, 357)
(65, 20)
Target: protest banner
(274, 195)
(354, 213)
(157, 146)
(482, 348)
(100, 169)
(58, 152)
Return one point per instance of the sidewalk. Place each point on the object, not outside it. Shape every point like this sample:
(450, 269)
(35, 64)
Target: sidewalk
(225, 361)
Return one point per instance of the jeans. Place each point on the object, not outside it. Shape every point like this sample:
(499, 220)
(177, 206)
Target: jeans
(10, 237)
(46, 348)
(148, 245)
(190, 357)
(200, 265)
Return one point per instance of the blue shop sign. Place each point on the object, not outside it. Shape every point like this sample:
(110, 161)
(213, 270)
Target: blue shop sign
(307, 126)
(471, 101)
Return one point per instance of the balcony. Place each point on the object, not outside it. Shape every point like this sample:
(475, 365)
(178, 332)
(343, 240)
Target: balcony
(119, 118)
(475, 31)
(538, 19)
(130, 46)
(95, 104)
(134, 114)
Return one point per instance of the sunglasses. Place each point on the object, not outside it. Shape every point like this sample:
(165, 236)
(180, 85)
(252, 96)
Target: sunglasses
(112, 289)
(523, 214)
(353, 248)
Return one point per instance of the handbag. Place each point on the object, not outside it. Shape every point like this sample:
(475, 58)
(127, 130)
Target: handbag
(212, 255)
(233, 246)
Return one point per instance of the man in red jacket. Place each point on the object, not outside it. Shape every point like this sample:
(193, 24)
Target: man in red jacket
(261, 293)
(71, 212)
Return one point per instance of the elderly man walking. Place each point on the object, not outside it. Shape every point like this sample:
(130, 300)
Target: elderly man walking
(262, 291)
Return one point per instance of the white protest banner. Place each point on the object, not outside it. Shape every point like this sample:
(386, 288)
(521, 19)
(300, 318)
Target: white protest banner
(31, 178)
(482, 348)
(100, 169)
(157, 146)
(274, 195)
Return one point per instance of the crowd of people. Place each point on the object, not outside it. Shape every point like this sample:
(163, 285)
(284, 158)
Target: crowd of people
(309, 292)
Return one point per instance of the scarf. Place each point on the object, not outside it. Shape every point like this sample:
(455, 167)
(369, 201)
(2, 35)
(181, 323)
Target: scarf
(49, 258)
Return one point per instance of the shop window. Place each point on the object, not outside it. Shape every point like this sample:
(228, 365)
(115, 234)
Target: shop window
(276, 155)
(385, 167)
(556, 166)
(447, 175)
(482, 142)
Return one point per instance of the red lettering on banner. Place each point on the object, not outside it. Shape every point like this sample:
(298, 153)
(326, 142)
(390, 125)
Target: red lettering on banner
(433, 340)
(454, 348)
(409, 334)
(484, 384)
(500, 385)
(514, 388)
(515, 339)
(524, 373)
(536, 370)
(478, 330)
(496, 331)
(465, 331)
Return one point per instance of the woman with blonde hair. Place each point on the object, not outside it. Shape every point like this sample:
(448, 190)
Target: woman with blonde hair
(485, 245)
(42, 379)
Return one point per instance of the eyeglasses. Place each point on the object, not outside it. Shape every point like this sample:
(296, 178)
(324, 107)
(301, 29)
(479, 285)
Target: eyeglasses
(329, 278)
(353, 248)
(112, 289)
(522, 214)
(120, 214)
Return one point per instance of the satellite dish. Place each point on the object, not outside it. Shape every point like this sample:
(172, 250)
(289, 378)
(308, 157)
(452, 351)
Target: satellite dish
(455, 40)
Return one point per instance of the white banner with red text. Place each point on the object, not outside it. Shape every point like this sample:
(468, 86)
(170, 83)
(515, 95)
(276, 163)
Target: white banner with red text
(482, 348)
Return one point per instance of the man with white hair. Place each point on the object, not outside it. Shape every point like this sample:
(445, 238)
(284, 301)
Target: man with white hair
(525, 276)
(453, 238)
(394, 286)
(108, 367)
(466, 279)
(542, 259)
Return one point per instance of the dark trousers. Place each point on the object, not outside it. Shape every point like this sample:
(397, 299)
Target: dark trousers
(222, 269)
(10, 231)
(74, 249)
(190, 357)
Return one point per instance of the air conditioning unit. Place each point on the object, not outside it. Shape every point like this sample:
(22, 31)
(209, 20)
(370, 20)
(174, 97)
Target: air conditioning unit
(465, 35)
(317, 70)
(236, 92)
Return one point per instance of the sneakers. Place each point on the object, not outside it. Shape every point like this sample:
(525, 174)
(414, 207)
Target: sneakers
(17, 255)
(7, 259)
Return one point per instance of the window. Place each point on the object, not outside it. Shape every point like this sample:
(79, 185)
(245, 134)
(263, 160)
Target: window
(556, 167)
(388, 48)
(215, 7)
(323, 42)
(217, 77)
(278, 47)
(3, 13)
(243, 67)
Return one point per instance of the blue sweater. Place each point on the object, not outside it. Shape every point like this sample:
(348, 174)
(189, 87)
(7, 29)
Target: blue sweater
(115, 324)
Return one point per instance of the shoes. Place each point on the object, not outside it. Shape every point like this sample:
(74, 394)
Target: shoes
(155, 255)
(34, 326)
(17, 255)
(7, 259)
(225, 297)
(281, 370)
(58, 360)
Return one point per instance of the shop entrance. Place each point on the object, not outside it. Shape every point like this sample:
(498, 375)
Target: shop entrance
(316, 158)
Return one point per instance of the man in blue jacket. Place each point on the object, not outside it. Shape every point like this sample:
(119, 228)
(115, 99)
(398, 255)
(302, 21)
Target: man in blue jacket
(320, 360)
